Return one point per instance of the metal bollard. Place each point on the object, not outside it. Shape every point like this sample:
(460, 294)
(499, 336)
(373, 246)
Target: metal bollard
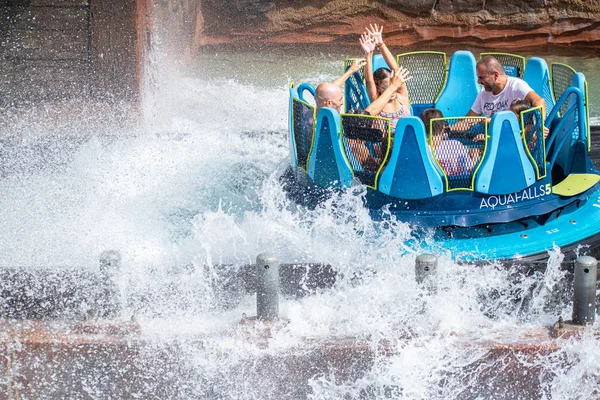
(267, 286)
(584, 290)
(426, 270)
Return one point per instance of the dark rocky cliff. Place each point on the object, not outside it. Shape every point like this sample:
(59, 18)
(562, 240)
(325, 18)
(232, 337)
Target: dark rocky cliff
(500, 24)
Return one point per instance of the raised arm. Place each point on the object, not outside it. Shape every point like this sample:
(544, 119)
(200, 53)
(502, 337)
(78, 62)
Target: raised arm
(368, 46)
(376, 32)
(355, 66)
(397, 81)
(402, 90)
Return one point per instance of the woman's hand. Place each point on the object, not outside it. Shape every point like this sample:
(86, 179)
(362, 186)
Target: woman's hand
(367, 43)
(401, 76)
(376, 34)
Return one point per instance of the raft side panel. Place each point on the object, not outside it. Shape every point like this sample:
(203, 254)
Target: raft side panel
(411, 172)
(505, 167)
(327, 164)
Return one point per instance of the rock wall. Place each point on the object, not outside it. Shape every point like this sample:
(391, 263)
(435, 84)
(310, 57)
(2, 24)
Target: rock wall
(499, 24)
(56, 50)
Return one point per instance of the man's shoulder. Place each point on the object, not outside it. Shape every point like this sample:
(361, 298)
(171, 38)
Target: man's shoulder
(518, 83)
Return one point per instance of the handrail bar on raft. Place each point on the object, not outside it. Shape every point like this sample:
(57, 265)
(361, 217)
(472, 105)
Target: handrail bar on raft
(310, 88)
(581, 109)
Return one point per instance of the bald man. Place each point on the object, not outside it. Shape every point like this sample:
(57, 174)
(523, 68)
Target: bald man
(500, 90)
(330, 94)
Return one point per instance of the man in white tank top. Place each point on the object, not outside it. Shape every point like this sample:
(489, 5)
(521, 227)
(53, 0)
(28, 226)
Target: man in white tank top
(500, 90)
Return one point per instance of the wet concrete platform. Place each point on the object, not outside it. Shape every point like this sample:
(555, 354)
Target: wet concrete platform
(114, 360)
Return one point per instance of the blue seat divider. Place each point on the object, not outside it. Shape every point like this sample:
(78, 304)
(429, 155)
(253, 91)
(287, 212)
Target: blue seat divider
(327, 164)
(461, 86)
(303, 138)
(505, 167)
(355, 93)
(537, 75)
(293, 152)
(580, 83)
(306, 87)
(572, 155)
(411, 172)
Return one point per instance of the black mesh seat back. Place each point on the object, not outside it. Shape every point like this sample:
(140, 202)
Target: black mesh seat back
(428, 71)
(456, 150)
(532, 131)
(366, 142)
(562, 78)
(304, 120)
(513, 64)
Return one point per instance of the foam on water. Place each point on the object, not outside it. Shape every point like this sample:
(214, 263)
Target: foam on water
(432, 335)
(192, 194)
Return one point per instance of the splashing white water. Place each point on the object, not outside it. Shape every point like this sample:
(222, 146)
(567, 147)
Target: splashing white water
(192, 194)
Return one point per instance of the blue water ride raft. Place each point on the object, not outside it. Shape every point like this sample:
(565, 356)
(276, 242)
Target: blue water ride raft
(524, 194)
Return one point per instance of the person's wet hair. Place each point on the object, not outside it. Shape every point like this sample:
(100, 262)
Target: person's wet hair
(381, 74)
(360, 122)
(519, 105)
(438, 126)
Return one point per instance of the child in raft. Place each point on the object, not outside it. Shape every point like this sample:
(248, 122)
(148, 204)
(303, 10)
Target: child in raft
(517, 107)
(450, 154)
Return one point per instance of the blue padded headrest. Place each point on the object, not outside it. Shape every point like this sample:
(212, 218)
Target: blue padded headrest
(461, 86)
(537, 77)
(379, 62)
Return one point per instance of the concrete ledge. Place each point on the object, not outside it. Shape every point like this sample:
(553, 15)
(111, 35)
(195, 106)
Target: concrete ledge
(55, 360)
